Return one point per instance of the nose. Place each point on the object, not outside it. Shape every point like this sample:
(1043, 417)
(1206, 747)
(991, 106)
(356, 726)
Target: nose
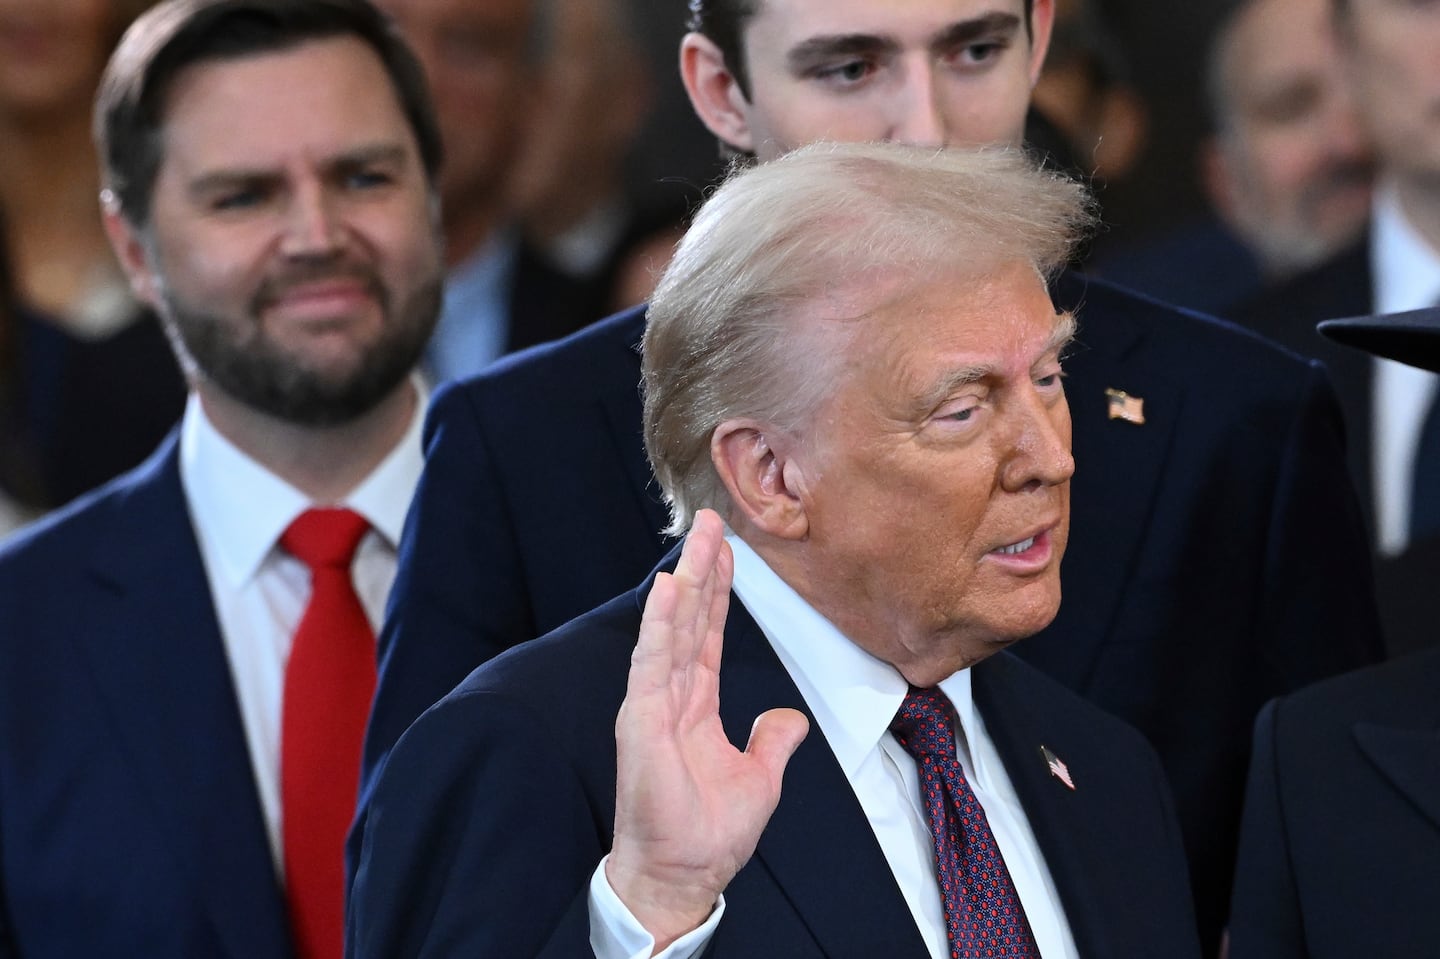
(312, 226)
(1039, 454)
(919, 114)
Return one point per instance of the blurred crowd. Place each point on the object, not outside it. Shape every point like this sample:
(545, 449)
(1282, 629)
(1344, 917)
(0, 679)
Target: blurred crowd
(181, 261)
(1222, 140)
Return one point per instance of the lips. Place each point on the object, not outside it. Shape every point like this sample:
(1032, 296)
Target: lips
(1027, 554)
(1014, 548)
(324, 294)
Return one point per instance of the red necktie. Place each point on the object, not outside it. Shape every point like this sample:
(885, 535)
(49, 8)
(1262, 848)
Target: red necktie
(983, 914)
(328, 686)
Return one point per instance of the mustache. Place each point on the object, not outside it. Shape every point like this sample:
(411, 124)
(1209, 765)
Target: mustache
(279, 285)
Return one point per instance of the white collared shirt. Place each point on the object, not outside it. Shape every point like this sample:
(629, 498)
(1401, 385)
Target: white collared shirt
(854, 697)
(239, 510)
(1406, 273)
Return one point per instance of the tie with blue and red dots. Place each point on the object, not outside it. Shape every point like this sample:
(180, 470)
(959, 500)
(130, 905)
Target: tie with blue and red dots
(983, 915)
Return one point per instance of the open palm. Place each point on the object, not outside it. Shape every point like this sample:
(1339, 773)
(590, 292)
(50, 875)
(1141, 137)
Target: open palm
(690, 807)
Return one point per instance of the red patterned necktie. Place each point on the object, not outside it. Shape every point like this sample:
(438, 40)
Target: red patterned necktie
(983, 915)
(329, 682)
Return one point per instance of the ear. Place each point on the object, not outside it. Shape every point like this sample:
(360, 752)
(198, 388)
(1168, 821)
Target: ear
(132, 252)
(1042, 23)
(766, 486)
(715, 93)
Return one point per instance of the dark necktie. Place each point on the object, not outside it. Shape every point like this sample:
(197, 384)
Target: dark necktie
(329, 682)
(983, 915)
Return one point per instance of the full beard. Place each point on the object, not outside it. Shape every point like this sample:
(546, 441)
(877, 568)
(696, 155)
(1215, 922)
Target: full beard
(245, 363)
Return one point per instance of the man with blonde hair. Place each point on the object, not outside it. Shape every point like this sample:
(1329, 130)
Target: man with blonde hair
(1218, 556)
(853, 359)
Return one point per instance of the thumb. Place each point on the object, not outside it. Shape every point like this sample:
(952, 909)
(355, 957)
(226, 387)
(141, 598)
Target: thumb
(776, 735)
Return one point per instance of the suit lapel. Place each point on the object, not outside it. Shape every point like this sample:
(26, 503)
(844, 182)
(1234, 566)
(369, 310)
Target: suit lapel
(160, 663)
(1409, 759)
(1062, 818)
(819, 840)
(1117, 478)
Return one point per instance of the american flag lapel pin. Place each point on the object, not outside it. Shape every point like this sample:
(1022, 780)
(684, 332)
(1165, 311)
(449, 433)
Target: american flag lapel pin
(1057, 767)
(1125, 407)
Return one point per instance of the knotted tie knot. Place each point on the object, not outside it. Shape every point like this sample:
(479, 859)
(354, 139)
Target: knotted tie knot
(925, 725)
(325, 538)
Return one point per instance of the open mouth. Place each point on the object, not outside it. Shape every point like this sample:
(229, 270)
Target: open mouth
(1015, 548)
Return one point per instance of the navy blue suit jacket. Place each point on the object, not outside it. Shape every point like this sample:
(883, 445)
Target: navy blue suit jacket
(1216, 559)
(1288, 314)
(1340, 850)
(130, 824)
(495, 808)
(1341, 287)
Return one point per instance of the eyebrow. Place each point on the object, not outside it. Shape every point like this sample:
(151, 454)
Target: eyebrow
(980, 28)
(1060, 338)
(819, 50)
(218, 181)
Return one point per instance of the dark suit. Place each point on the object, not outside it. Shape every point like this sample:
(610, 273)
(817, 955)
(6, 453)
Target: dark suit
(1200, 264)
(547, 303)
(1288, 314)
(495, 808)
(1216, 553)
(1340, 852)
(130, 824)
(75, 413)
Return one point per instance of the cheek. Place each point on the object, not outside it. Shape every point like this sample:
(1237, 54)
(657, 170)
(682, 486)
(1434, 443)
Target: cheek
(997, 116)
(411, 252)
(217, 273)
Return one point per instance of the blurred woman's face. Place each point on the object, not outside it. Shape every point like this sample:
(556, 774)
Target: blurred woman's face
(52, 53)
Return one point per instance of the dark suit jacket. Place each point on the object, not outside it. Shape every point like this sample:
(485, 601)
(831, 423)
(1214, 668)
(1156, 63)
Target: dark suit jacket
(1344, 287)
(129, 819)
(76, 413)
(1199, 264)
(546, 303)
(1288, 314)
(496, 807)
(1216, 554)
(1340, 852)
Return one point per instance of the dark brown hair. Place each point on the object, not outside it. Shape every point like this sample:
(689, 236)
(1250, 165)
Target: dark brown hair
(129, 109)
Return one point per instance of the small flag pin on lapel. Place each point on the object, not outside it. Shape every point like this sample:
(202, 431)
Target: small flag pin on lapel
(1058, 769)
(1125, 407)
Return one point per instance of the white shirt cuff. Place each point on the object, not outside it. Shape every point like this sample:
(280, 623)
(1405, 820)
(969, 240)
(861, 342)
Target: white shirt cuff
(616, 934)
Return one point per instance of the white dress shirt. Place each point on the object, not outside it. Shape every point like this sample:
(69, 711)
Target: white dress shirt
(1406, 273)
(239, 509)
(854, 697)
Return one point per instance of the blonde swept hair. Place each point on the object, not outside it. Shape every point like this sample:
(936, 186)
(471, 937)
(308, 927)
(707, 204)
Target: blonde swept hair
(721, 337)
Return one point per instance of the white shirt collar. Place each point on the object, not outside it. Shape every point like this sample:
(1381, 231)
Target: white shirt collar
(1405, 268)
(853, 695)
(240, 508)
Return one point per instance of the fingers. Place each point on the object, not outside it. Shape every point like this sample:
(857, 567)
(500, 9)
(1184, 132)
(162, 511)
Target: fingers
(684, 609)
(713, 639)
(694, 581)
(652, 660)
(776, 735)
